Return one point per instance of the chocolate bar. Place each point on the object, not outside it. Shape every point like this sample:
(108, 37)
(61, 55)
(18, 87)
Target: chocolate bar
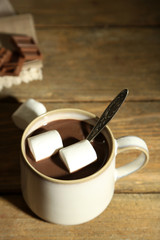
(11, 63)
(27, 47)
(12, 67)
(5, 56)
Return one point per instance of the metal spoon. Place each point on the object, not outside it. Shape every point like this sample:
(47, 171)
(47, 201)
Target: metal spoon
(108, 114)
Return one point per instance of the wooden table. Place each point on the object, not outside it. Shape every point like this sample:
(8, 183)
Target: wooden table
(92, 50)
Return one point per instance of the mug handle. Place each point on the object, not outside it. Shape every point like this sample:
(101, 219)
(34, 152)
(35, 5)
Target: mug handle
(131, 143)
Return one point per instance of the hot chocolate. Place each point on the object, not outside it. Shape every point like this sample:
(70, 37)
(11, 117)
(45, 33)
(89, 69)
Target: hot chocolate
(71, 132)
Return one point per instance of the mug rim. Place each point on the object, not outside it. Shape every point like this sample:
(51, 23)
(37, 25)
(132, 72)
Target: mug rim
(55, 180)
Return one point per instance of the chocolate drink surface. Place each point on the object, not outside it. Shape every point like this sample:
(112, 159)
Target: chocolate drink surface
(71, 132)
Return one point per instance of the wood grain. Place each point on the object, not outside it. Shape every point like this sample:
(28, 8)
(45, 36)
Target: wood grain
(91, 13)
(94, 65)
(92, 49)
(129, 216)
(132, 119)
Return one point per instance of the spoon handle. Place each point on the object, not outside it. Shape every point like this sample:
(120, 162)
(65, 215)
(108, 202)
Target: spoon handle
(108, 114)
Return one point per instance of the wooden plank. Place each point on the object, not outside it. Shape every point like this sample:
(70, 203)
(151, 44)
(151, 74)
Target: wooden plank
(129, 216)
(95, 64)
(91, 13)
(140, 118)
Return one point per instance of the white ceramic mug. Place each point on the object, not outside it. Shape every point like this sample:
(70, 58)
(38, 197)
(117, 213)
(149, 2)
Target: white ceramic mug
(71, 202)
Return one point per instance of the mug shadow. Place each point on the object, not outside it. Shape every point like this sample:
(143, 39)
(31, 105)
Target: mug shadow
(10, 151)
(16, 200)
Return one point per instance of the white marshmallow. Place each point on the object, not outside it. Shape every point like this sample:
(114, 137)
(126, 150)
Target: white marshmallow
(45, 144)
(27, 112)
(78, 155)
